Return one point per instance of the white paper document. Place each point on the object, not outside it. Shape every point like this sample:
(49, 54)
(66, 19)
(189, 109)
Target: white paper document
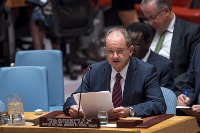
(183, 107)
(92, 102)
(109, 125)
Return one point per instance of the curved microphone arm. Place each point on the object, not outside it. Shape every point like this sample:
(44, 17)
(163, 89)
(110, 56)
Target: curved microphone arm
(88, 69)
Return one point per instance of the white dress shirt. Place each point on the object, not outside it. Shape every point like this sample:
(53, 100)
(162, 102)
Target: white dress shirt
(122, 81)
(146, 56)
(165, 50)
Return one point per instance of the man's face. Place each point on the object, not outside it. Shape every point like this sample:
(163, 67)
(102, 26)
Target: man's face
(159, 20)
(141, 47)
(117, 52)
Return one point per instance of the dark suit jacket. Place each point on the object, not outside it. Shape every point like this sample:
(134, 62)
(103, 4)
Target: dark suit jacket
(192, 83)
(141, 90)
(185, 37)
(164, 68)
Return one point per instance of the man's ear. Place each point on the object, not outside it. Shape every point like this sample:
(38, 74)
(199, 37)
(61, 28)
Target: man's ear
(166, 10)
(131, 50)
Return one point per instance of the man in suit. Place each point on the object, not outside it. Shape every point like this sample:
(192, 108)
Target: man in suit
(141, 39)
(192, 87)
(178, 38)
(140, 91)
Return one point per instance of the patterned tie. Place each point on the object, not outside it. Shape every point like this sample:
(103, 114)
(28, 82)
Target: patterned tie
(160, 42)
(117, 92)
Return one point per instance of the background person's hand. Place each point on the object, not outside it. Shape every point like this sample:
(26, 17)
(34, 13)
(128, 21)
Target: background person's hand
(196, 108)
(182, 100)
(194, 111)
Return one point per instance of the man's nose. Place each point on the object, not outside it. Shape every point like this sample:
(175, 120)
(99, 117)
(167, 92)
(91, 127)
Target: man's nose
(150, 23)
(115, 54)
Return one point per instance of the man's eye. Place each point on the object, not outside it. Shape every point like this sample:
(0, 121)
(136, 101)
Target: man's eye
(110, 51)
(120, 51)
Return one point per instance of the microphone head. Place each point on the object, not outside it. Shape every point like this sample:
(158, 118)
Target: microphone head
(89, 68)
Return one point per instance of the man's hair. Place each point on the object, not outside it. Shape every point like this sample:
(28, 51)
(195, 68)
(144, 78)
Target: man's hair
(159, 4)
(140, 27)
(124, 32)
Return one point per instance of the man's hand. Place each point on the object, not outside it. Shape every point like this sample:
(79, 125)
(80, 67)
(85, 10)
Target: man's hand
(196, 108)
(194, 111)
(183, 100)
(118, 112)
(73, 111)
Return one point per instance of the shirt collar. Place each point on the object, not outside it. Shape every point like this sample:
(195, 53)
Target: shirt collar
(171, 25)
(122, 73)
(146, 56)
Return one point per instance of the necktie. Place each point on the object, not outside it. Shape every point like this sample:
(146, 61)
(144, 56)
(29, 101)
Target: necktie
(160, 42)
(117, 92)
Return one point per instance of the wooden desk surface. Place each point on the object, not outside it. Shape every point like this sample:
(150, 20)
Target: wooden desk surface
(16, 3)
(182, 124)
(1, 129)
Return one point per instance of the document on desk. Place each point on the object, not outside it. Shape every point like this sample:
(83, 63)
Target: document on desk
(92, 102)
(183, 107)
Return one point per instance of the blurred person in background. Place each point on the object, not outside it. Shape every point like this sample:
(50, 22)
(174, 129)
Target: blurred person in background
(174, 38)
(140, 33)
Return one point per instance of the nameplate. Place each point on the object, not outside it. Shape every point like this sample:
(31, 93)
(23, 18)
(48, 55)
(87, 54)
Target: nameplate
(69, 122)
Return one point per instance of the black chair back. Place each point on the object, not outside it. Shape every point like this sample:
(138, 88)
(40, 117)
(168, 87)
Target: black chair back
(2, 20)
(72, 17)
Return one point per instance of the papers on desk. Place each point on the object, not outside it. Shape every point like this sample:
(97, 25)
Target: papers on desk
(109, 125)
(92, 102)
(183, 107)
(132, 118)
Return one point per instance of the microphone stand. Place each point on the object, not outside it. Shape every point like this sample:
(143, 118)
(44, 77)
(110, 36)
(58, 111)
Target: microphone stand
(88, 69)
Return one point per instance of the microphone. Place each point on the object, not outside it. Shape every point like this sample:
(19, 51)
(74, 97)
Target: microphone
(88, 69)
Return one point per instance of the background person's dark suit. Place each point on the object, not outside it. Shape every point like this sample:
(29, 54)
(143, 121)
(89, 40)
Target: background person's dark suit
(141, 90)
(164, 68)
(185, 37)
(192, 83)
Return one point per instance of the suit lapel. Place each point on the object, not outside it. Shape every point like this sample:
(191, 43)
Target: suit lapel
(105, 77)
(175, 38)
(130, 79)
(152, 58)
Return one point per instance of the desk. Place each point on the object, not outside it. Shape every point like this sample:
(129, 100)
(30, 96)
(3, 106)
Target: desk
(181, 124)
(1, 129)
